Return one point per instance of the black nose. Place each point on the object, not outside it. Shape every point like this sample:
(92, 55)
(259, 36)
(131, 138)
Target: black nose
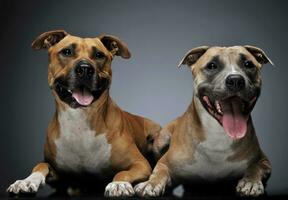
(84, 70)
(235, 82)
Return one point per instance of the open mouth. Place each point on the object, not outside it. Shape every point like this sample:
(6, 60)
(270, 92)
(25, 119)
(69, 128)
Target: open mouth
(80, 93)
(232, 113)
(81, 96)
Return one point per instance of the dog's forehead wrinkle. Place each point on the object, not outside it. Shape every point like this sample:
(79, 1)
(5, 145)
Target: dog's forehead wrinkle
(89, 42)
(81, 43)
(69, 39)
(220, 53)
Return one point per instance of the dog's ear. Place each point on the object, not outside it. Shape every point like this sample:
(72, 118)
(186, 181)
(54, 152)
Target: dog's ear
(115, 46)
(258, 54)
(193, 55)
(48, 39)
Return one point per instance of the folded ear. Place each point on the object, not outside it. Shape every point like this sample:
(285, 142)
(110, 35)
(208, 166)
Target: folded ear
(193, 55)
(259, 54)
(115, 46)
(48, 39)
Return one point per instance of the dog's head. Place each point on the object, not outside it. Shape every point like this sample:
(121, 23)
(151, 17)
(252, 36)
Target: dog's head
(227, 81)
(79, 68)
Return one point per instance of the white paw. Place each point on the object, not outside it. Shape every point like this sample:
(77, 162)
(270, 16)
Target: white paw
(119, 189)
(247, 187)
(30, 184)
(146, 189)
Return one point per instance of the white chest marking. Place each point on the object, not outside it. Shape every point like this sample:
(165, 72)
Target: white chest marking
(210, 159)
(77, 148)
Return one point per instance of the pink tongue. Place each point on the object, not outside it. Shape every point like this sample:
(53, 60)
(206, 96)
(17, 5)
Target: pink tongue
(83, 97)
(234, 121)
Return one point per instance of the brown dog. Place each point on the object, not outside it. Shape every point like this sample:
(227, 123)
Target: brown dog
(215, 138)
(89, 136)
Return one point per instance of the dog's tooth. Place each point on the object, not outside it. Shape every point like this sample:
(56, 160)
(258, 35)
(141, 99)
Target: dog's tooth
(218, 107)
(206, 99)
(216, 104)
(70, 91)
(218, 110)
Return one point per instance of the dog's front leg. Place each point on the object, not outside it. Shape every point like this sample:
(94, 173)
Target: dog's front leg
(121, 185)
(252, 182)
(157, 182)
(32, 183)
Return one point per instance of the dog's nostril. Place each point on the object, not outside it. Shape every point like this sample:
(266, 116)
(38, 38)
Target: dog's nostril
(79, 71)
(235, 82)
(84, 70)
(90, 72)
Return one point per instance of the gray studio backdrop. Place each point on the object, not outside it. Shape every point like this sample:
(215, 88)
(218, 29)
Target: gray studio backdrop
(158, 34)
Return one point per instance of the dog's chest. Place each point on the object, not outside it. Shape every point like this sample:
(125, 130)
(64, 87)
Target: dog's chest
(78, 149)
(213, 164)
(210, 160)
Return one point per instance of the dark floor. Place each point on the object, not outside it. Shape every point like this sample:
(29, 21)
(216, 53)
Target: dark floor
(284, 197)
(220, 192)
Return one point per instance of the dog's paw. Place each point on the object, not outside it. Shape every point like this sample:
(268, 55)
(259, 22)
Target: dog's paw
(251, 188)
(30, 184)
(147, 189)
(119, 189)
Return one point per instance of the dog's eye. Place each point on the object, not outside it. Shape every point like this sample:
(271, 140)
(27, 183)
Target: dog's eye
(211, 66)
(248, 64)
(67, 52)
(99, 55)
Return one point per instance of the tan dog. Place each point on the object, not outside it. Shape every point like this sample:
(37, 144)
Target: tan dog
(89, 138)
(215, 138)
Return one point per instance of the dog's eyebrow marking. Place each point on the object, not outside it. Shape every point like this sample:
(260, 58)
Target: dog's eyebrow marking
(243, 57)
(94, 51)
(71, 46)
(214, 59)
(74, 45)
